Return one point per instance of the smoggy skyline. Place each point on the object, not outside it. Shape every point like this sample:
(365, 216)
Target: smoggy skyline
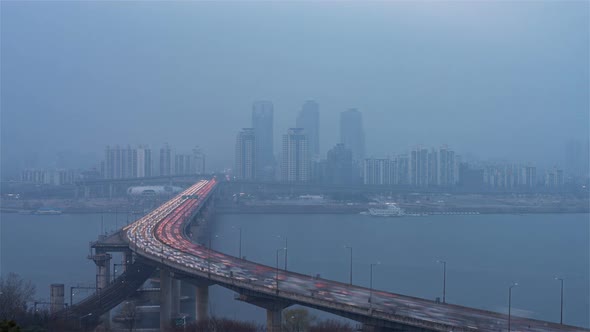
(499, 80)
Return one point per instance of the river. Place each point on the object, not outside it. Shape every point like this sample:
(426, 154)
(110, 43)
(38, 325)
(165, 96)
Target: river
(484, 255)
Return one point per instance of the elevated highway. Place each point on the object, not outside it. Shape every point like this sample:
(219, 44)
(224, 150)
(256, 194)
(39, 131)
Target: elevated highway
(162, 239)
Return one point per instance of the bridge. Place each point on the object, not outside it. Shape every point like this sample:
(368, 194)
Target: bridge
(161, 240)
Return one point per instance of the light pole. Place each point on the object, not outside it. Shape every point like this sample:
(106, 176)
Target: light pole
(286, 249)
(277, 271)
(444, 263)
(510, 302)
(350, 273)
(371, 282)
(209, 255)
(87, 315)
(561, 305)
(240, 243)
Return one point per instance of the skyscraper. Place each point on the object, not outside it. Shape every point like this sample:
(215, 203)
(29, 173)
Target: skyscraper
(262, 122)
(246, 154)
(112, 162)
(295, 157)
(419, 167)
(183, 164)
(144, 161)
(198, 161)
(352, 134)
(577, 160)
(125, 163)
(309, 119)
(447, 167)
(165, 160)
(378, 171)
(339, 169)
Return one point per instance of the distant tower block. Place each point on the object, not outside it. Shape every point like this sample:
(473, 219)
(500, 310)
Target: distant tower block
(56, 298)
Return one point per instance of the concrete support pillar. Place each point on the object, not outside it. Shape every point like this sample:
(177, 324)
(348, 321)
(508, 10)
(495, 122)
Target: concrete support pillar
(202, 299)
(165, 299)
(103, 275)
(103, 269)
(274, 317)
(175, 293)
(56, 298)
(86, 192)
(274, 310)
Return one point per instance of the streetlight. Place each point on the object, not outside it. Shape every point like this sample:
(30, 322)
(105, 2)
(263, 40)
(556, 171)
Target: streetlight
(510, 302)
(561, 308)
(347, 247)
(80, 321)
(209, 255)
(371, 282)
(444, 263)
(240, 243)
(277, 274)
(286, 249)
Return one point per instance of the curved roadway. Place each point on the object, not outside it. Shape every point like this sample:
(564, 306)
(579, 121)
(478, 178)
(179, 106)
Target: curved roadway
(160, 236)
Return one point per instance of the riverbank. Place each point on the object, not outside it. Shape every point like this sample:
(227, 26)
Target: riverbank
(356, 209)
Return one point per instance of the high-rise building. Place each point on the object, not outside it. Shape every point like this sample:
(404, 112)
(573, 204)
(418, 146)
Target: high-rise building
(246, 154)
(447, 167)
(144, 162)
(403, 170)
(377, 172)
(128, 163)
(309, 119)
(352, 134)
(198, 161)
(166, 160)
(262, 122)
(339, 166)
(112, 168)
(577, 160)
(55, 177)
(554, 178)
(183, 164)
(419, 171)
(433, 167)
(295, 157)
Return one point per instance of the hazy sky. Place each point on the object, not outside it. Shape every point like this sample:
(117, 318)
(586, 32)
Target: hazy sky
(499, 80)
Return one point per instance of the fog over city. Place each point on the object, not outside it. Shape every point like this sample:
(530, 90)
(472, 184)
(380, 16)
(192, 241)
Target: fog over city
(297, 166)
(494, 81)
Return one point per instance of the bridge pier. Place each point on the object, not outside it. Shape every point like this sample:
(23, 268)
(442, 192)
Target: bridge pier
(175, 297)
(274, 310)
(274, 319)
(56, 298)
(202, 302)
(165, 299)
(103, 274)
(103, 268)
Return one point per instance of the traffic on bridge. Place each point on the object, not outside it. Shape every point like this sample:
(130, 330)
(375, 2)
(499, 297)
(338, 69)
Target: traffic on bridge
(160, 236)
